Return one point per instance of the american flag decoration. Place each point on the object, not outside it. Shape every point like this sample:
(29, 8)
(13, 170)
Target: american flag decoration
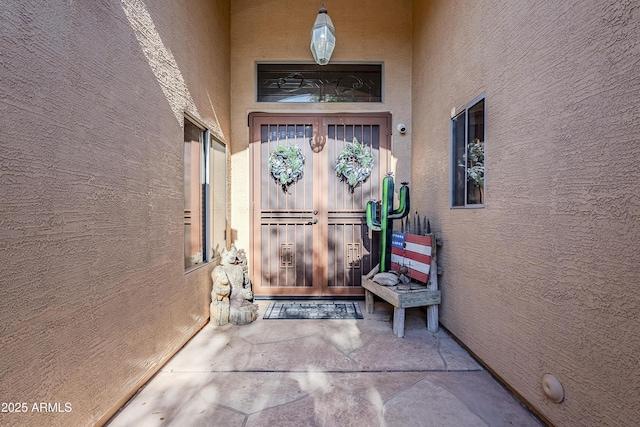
(414, 252)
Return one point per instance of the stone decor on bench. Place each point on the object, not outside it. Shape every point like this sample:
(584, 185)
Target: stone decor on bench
(413, 281)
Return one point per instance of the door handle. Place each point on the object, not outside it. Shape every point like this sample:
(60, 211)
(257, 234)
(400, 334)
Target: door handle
(314, 221)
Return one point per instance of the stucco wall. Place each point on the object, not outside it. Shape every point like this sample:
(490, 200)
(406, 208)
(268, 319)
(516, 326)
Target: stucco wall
(280, 31)
(92, 94)
(544, 279)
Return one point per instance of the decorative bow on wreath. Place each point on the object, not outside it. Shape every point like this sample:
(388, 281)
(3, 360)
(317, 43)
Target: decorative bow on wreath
(354, 164)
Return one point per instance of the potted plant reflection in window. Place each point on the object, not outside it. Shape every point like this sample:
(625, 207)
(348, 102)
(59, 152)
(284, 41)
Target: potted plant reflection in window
(475, 172)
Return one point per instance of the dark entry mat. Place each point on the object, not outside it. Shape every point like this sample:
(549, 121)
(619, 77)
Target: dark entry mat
(313, 310)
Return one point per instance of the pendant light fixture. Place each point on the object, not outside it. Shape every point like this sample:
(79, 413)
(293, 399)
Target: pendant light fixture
(323, 37)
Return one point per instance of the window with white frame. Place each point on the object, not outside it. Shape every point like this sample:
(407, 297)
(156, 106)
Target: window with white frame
(205, 194)
(217, 161)
(194, 185)
(467, 156)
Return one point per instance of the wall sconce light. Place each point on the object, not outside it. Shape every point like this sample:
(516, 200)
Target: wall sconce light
(323, 37)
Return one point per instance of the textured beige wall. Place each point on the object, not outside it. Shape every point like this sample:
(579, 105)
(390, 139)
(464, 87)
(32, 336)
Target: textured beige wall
(94, 295)
(545, 278)
(280, 30)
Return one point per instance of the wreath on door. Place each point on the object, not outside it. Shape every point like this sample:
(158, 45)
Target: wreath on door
(286, 165)
(354, 164)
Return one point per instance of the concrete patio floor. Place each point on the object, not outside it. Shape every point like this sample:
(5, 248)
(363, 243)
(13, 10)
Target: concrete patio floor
(324, 373)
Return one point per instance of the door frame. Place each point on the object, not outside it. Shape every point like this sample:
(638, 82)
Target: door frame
(320, 121)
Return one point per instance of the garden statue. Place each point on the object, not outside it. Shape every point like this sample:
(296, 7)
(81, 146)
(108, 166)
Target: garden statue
(231, 296)
(387, 215)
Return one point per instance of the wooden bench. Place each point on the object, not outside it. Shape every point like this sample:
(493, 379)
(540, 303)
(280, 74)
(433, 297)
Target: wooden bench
(409, 251)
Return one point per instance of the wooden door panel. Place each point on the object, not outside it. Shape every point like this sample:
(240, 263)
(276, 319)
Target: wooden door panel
(285, 216)
(350, 256)
(340, 197)
(286, 255)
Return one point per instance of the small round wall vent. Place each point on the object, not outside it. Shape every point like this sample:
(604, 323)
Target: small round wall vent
(552, 388)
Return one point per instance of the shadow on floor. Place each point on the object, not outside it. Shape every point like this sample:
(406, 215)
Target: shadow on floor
(324, 373)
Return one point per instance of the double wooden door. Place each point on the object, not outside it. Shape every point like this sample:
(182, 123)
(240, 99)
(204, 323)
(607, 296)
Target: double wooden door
(312, 240)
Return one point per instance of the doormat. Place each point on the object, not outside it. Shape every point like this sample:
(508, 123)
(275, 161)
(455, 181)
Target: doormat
(313, 310)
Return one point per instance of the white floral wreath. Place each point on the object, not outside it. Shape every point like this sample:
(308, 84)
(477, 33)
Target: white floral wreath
(286, 165)
(354, 164)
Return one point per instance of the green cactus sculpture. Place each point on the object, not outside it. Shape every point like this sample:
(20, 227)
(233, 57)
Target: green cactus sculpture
(387, 215)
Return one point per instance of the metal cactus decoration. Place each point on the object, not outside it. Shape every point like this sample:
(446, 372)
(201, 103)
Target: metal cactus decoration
(387, 215)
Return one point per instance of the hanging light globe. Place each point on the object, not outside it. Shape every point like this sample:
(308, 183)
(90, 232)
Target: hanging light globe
(323, 38)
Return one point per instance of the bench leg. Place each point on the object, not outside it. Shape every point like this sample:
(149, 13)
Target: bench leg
(368, 301)
(398, 322)
(432, 310)
(432, 318)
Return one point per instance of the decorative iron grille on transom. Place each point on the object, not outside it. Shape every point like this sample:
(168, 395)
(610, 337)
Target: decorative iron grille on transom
(315, 83)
